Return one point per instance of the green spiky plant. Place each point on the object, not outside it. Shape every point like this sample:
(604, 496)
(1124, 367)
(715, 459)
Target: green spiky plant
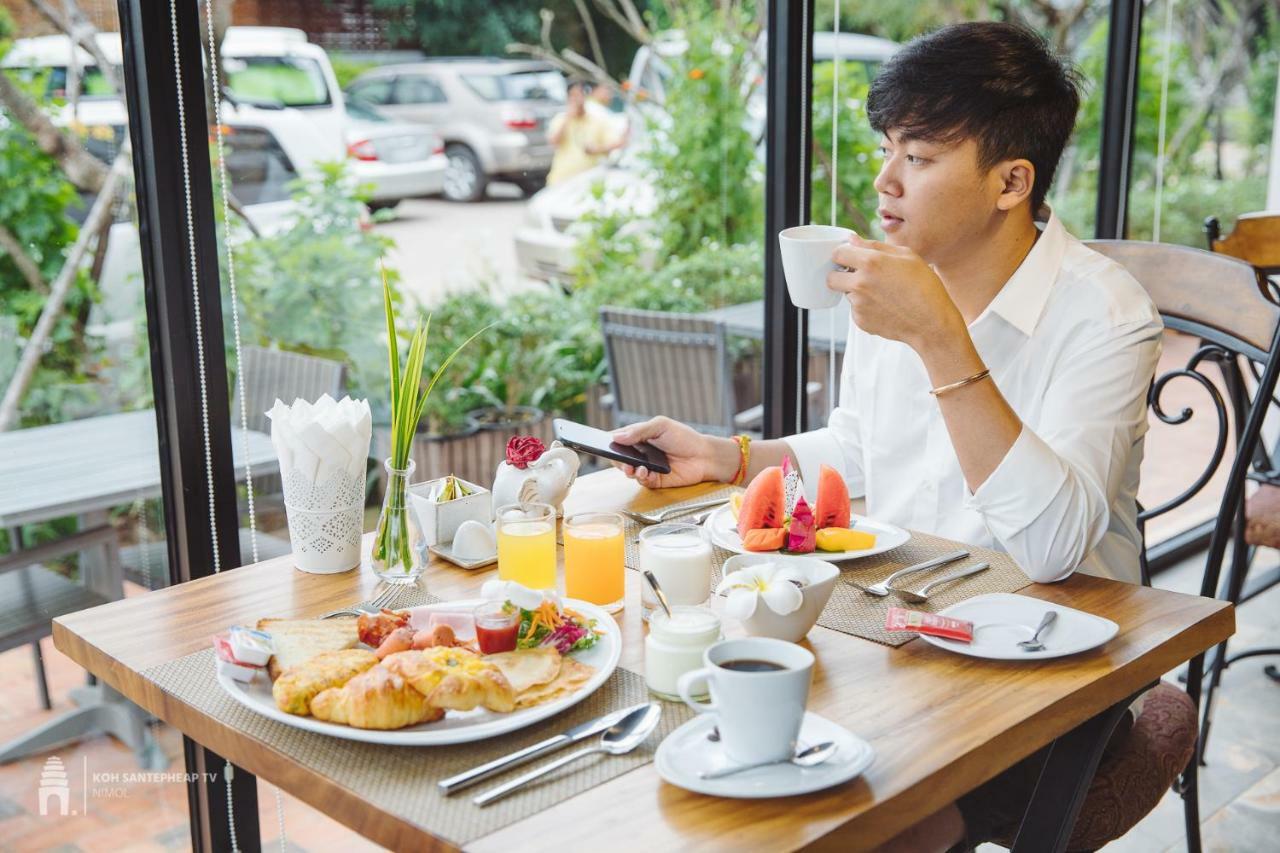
(391, 544)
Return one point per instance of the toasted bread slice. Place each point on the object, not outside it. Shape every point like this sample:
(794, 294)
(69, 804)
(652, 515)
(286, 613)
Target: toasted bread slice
(299, 640)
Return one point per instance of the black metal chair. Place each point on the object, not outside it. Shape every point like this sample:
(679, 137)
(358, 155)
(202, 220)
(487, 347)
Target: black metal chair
(1226, 303)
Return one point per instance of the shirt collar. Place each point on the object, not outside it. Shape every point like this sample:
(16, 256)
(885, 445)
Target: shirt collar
(1022, 299)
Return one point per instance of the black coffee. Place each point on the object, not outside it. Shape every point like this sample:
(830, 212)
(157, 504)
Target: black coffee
(751, 665)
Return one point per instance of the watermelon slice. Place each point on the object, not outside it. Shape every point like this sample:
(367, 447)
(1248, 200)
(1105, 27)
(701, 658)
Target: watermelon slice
(832, 507)
(801, 534)
(762, 506)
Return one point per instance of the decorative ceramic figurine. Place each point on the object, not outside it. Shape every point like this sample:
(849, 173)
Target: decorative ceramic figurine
(534, 473)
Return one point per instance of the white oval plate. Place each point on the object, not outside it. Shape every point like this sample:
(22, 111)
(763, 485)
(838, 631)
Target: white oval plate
(457, 726)
(724, 532)
(686, 752)
(1001, 619)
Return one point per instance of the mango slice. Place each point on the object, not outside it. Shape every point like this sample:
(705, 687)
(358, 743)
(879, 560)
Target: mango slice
(844, 539)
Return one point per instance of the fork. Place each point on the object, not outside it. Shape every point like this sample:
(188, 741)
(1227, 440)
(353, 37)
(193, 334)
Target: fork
(881, 589)
(384, 598)
(923, 595)
(658, 518)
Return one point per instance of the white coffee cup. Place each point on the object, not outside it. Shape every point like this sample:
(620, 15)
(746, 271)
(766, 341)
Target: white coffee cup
(806, 260)
(758, 712)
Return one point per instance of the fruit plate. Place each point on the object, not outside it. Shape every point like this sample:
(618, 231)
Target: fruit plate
(724, 532)
(456, 727)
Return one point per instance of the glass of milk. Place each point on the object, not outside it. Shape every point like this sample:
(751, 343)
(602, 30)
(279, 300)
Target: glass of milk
(680, 558)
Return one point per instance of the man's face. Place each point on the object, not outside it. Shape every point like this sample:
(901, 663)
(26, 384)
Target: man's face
(575, 99)
(934, 199)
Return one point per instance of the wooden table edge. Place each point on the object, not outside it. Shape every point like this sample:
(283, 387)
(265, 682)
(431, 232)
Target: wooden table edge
(262, 760)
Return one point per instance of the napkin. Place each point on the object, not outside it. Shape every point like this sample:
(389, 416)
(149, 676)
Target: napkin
(325, 442)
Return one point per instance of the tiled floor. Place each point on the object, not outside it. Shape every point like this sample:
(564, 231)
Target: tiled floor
(1240, 798)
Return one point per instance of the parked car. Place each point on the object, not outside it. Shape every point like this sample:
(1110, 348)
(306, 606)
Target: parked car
(546, 243)
(492, 114)
(278, 67)
(398, 160)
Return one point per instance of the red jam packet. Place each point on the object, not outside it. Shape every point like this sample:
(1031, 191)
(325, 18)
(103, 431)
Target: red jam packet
(901, 619)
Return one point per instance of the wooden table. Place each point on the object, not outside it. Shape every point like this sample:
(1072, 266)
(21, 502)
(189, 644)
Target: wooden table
(941, 724)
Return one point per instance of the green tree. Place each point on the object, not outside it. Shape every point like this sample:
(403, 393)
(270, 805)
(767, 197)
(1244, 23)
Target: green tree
(857, 159)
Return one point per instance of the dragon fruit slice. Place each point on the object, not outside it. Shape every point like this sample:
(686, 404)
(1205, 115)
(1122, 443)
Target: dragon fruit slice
(801, 535)
(791, 486)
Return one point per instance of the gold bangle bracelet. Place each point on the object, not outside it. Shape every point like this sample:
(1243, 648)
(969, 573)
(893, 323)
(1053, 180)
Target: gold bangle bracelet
(968, 380)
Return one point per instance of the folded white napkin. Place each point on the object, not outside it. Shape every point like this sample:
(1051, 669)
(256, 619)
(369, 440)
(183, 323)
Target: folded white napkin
(324, 440)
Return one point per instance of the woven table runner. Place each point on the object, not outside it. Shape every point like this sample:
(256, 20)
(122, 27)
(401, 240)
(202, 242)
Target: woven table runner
(852, 611)
(402, 779)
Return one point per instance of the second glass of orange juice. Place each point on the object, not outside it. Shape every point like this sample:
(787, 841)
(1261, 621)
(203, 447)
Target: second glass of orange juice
(527, 544)
(593, 559)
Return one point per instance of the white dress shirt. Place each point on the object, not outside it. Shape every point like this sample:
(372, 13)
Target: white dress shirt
(1072, 342)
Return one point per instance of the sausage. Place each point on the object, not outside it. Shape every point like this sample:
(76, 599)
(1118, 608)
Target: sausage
(399, 640)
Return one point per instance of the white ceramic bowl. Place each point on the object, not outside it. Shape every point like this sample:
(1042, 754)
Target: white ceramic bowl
(820, 577)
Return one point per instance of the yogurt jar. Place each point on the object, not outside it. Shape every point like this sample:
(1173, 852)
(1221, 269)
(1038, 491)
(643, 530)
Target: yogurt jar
(675, 645)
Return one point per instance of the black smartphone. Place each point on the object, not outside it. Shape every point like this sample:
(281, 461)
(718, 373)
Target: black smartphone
(597, 442)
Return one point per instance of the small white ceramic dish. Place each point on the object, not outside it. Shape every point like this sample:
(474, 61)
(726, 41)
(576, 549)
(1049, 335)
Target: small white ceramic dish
(686, 752)
(445, 550)
(820, 580)
(1001, 619)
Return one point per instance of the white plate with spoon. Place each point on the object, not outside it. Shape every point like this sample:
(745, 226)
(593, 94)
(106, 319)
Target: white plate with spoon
(1002, 620)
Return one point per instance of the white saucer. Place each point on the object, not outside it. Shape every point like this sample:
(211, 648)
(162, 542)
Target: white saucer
(445, 550)
(686, 751)
(1001, 619)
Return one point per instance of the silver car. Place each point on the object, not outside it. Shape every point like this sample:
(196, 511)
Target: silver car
(395, 159)
(492, 114)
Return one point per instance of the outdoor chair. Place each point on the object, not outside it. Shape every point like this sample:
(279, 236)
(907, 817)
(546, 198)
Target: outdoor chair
(678, 365)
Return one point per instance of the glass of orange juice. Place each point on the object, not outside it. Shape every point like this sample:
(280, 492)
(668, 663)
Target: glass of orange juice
(593, 559)
(527, 544)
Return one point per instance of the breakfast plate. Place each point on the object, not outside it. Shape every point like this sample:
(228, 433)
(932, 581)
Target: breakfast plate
(456, 726)
(1001, 619)
(686, 752)
(724, 532)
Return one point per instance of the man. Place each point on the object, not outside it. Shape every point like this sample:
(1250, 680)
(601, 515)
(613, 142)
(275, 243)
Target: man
(994, 386)
(581, 137)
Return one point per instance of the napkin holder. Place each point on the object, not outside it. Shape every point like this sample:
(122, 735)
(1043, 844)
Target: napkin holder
(440, 521)
(326, 521)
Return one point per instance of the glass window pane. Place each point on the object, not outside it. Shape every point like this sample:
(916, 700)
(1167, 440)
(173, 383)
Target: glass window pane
(83, 425)
(289, 81)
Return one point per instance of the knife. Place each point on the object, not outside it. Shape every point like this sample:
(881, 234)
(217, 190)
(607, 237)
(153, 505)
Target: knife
(583, 730)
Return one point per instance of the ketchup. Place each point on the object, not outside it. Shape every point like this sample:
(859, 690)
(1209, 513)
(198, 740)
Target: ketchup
(497, 638)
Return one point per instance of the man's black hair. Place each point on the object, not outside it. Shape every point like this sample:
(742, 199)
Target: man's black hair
(996, 83)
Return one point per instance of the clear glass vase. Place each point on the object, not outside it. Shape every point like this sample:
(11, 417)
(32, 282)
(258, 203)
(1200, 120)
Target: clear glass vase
(399, 548)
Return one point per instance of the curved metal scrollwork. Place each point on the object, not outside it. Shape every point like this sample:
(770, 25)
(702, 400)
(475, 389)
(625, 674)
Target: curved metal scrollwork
(1207, 352)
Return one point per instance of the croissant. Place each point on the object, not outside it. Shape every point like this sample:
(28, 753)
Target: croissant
(454, 678)
(374, 699)
(298, 685)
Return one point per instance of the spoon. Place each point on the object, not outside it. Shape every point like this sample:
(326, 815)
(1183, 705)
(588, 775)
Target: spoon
(1034, 644)
(657, 590)
(621, 738)
(810, 757)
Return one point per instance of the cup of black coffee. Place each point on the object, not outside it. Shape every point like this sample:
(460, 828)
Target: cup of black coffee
(759, 687)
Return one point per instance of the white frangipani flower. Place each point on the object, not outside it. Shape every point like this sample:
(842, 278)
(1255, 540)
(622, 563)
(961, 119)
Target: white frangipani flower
(770, 581)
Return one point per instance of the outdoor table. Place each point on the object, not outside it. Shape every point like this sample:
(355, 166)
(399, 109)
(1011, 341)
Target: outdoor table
(915, 704)
(83, 468)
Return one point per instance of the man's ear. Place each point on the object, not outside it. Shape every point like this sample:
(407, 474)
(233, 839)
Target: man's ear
(1017, 179)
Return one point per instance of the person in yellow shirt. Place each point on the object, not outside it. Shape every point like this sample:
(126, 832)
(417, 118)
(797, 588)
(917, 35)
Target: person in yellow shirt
(581, 137)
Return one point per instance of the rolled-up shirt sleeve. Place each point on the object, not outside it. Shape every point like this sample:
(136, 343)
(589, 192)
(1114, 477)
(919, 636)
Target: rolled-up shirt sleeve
(839, 443)
(1048, 501)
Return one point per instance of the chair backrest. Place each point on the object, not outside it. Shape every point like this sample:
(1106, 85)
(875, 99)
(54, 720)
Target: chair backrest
(1254, 240)
(270, 373)
(668, 364)
(1223, 301)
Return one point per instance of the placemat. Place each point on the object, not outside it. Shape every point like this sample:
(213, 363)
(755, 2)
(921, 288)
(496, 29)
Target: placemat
(402, 780)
